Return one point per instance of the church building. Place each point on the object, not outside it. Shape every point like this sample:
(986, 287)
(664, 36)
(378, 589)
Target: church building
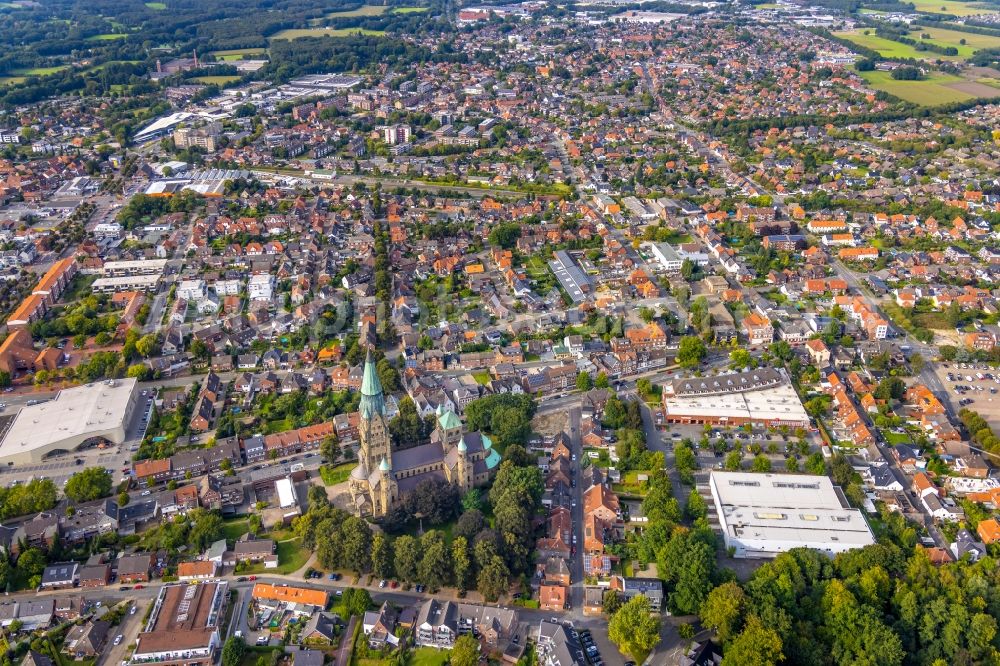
(385, 476)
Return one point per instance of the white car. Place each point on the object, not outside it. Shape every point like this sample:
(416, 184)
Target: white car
(118, 639)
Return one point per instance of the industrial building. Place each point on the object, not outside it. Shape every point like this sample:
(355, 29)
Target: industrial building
(762, 397)
(75, 418)
(571, 277)
(762, 515)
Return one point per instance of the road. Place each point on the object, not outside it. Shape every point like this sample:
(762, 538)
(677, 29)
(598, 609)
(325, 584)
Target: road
(576, 512)
(128, 630)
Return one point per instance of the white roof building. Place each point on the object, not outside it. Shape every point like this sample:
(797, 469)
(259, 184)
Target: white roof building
(762, 515)
(75, 417)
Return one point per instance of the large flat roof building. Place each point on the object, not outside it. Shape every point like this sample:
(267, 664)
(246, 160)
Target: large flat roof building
(571, 277)
(75, 417)
(183, 627)
(760, 397)
(762, 515)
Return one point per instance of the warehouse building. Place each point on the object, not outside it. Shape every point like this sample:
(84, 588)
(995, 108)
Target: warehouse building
(762, 515)
(77, 417)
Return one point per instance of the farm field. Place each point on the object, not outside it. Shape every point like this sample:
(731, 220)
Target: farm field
(890, 49)
(156, 5)
(945, 37)
(934, 90)
(238, 54)
(409, 10)
(363, 10)
(217, 80)
(11, 80)
(107, 37)
(296, 33)
(950, 7)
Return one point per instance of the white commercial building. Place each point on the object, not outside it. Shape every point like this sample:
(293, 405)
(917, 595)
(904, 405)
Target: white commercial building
(75, 418)
(762, 515)
(135, 267)
(761, 397)
(261, 287)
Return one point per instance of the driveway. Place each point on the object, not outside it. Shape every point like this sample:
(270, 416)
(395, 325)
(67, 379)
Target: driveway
(344, 651)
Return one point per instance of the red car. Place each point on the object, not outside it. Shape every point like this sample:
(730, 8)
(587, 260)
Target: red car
(252, 578)
(394, 585)
(137, 587)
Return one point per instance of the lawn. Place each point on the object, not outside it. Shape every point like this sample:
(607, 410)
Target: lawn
(482, 377)
(10, 80)
(631, 485)
(410, 10)
(291, 557)
(895, 438)
(296, 33)
(107, 37)
(931, 91)
(235, 529)
(427, 656)
(156, 5)
(216, 80)
(333, 475)
(536, 267)
(890, 49)
(363, 10)
(953, 8)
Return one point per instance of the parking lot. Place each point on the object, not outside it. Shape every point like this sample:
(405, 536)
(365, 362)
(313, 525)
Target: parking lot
(974, 386)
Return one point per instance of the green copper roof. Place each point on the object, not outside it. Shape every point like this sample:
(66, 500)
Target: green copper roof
(461, 445)
(448, 420)
(384, 465)
(372, 398)
(492, 460)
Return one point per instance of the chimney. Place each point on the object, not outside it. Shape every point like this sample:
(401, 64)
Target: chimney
(159, 67)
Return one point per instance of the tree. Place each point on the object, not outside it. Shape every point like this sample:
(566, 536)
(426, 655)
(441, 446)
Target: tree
(583, 382)
(146, 345)
(206, 528)
(917, 363)
(329, 448)
(741, 358)
(601, 381)
(696, 506)
(382, 556)
(233, 650)
(611, 601)
(690, 351)
(90, 484)
(465, 652)
(633, 629)
(122, 498)
(761, 463)
(139, 371)
(723, 610)
(493, 579)
(461, 563)
(356, 601)
(890, 388)
(756, 645)
(435, 565)
(407, 557)
(734, 461)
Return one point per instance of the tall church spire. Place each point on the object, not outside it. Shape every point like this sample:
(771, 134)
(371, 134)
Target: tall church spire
(372, 397)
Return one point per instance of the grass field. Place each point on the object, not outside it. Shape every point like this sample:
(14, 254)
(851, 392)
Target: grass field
(38, 71)
(929, 92)
(291, 557)
(10, 80)
(156, 5)
(895, 438)
(890, 49)
(107, 37)
(363, 10)
(953, 8)
(296, 33)
(217, 80)
(239, 52)
(410, 10)
(235, 529)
